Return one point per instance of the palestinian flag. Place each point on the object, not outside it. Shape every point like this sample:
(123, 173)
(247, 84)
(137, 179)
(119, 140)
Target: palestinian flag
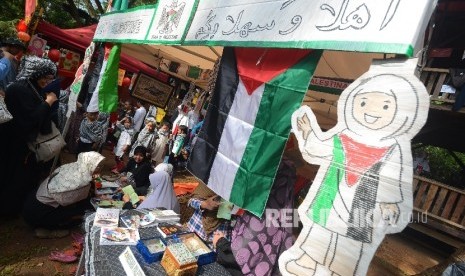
(239, 147)
(105, 96)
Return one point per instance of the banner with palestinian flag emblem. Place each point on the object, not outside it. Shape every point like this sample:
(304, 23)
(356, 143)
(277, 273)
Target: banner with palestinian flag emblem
(239, 147)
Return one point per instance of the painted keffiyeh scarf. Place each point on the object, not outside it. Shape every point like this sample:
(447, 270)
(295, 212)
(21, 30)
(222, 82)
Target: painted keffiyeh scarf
(33, 68)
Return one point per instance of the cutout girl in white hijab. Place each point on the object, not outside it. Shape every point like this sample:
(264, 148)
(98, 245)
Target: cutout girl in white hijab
(363, 189)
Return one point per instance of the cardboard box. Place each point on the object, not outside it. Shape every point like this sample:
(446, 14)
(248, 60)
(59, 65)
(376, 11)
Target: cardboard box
(179, 261)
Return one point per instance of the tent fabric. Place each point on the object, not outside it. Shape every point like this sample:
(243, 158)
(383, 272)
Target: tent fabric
(80, 38)
(140, 57)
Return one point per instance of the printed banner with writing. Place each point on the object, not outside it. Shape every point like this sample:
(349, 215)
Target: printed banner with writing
(390, 26)
(166, 23)
(328, 85)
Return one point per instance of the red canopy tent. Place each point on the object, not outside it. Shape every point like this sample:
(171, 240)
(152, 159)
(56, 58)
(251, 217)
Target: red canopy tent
(79, 39)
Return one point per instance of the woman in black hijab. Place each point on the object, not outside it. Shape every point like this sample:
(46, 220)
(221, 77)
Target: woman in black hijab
(31, 110)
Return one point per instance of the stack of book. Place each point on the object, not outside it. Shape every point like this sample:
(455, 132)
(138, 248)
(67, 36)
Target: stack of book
(166, 216)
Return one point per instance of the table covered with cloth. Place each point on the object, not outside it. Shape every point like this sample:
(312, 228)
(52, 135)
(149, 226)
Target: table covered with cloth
(102, 260)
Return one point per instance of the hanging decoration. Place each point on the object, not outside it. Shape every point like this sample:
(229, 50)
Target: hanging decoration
(54, 55)
(126, 82)
(21, 26)
(23, 36)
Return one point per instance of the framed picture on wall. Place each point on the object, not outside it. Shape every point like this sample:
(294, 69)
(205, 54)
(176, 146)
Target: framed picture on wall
(151, 90)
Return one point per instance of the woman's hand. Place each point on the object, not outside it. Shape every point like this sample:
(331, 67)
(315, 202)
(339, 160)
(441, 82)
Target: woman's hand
(217, 235)
(210, 203)
(123, 179)
(126, 198)
(51, 98)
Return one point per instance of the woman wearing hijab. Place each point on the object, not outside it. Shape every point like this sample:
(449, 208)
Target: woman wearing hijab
(64, 195)
(161, 193)
(31, 110)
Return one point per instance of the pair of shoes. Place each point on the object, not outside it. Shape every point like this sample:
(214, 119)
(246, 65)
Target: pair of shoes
(43, 233)
(62, 257)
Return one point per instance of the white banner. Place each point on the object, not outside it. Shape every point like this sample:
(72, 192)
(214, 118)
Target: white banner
(171, 20)
(391, 26)
(164, 23)
(127, 25)
(385, 26)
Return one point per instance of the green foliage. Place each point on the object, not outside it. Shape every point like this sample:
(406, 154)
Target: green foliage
(11, 10)
(55, 13)
(136, 3)
(8, 29)
(444, 168)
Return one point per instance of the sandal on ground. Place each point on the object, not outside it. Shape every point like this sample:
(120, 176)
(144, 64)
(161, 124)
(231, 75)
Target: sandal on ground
(62, 257)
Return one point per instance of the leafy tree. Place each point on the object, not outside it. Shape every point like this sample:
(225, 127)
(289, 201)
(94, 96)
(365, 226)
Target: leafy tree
(445, 166)
(65, 13)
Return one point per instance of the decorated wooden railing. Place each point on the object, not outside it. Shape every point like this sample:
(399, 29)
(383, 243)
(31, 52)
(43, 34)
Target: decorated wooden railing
(433, 79)
(439, 206)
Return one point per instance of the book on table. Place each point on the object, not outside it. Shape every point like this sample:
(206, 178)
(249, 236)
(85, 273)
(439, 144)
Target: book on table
(167, 229)
(130, 264)
(131, 221)
(106, 217)
(119, 236)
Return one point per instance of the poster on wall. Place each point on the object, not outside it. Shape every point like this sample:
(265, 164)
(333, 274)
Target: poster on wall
(69, 60)
(37, 46)
(152, 90)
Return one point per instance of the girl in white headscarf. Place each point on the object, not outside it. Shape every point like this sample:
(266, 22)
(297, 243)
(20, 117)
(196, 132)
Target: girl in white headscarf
(161, 193)
(64, 195)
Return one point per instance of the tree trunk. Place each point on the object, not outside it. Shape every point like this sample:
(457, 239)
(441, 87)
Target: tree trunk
(74, 12)
(99, 6)
(456, 257)
(90, 9)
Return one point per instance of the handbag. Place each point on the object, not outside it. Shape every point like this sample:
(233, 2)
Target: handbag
(5, 115)
(457, 77)
(47, 146)
(65, 191)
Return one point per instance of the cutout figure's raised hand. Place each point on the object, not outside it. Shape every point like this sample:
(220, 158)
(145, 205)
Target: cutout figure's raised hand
(390, 212)
(303, 124)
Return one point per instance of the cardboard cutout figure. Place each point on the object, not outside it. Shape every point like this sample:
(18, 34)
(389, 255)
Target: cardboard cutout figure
(363, 189)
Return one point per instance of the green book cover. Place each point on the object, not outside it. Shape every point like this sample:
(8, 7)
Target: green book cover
(129, 190)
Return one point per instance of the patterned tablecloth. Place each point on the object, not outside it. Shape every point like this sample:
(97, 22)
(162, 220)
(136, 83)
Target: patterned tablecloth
(103, 260)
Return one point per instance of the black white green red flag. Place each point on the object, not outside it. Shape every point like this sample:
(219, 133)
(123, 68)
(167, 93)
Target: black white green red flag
(240, 145)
